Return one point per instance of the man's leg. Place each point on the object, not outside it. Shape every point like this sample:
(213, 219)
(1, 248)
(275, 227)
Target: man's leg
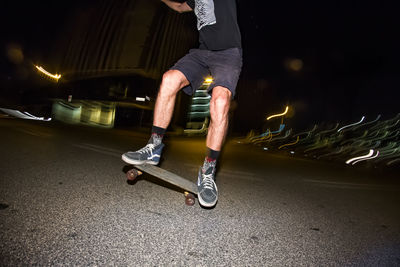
(172, 82)
(219, 108)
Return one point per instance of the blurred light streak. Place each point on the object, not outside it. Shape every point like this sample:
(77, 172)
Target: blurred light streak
(270, 135)
(141, 99)
(308, 132)
(393, 162)
(394, 124)
(281, 127)
(389, 147)
(290, 144)
(390, 154)
(42, 70)
(371, 152)
(201, 105)
(357, 161)
(287, 134)
(369, 123)
(203, 129)
(339, 150)
(317, 145)
(23, 115)
(279, 115)
(356, 139)
(377, 144)
(201, 98)
(350, 125)
(329, 130)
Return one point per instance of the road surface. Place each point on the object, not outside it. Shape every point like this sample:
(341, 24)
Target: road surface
(64, 200)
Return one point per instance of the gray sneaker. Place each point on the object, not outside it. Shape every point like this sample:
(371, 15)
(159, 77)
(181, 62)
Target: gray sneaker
(150, 154)
(208, 192)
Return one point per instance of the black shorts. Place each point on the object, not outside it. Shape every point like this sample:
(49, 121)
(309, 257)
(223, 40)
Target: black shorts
(224, 66)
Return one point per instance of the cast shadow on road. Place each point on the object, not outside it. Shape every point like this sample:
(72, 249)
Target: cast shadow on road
(156, 181)
(150, 179)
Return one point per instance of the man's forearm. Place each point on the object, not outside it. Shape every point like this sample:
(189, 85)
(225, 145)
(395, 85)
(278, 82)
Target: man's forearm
(179, 7)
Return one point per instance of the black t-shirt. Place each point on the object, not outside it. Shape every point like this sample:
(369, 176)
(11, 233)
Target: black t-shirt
(217, 23)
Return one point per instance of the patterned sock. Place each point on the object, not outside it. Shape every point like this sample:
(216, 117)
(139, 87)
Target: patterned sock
(155, 139)
(212, 155)
(157, 135)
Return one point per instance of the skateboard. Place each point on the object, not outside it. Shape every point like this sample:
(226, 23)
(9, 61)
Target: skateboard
(189, 187)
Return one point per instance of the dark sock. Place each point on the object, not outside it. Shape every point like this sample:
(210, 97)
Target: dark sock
(158, 130)
(212, 155)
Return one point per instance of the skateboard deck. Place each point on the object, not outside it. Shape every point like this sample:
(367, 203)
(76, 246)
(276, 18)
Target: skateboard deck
(189, 187)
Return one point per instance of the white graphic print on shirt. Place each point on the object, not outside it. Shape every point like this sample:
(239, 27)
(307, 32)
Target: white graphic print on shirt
(204, 10)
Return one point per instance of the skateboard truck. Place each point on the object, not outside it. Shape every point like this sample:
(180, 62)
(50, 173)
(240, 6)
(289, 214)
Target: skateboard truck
(189, 187)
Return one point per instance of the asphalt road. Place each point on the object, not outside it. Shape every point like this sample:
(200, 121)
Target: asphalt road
(64, 200)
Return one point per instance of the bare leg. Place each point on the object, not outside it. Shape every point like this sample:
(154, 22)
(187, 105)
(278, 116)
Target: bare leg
(172, 82)
(219, 108)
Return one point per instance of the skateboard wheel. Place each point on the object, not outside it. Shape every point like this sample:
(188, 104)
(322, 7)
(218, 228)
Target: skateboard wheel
(189, 199)
(132, 174)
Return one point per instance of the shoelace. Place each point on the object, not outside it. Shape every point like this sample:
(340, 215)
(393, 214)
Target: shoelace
(147, 149)
(208, 181)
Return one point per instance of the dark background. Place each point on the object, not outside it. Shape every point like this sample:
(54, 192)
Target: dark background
(348, 49)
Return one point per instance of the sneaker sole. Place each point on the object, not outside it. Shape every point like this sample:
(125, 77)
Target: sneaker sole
(138, 162)
(207, 204)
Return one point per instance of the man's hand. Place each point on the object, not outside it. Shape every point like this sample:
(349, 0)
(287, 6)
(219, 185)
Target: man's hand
(179, 7)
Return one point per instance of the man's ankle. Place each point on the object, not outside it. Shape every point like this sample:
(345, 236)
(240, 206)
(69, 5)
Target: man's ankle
(212, 155)
(155, 139)
(157, 134)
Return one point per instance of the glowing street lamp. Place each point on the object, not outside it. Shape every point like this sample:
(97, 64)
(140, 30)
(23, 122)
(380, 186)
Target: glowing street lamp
(208, 80)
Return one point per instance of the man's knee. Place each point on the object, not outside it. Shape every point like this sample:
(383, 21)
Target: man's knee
(174, 79)
(221, 97)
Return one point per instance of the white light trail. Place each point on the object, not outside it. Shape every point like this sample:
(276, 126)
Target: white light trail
(357, 161)
(23, 115)
(371, 152)
(350, 125)
(202, 98)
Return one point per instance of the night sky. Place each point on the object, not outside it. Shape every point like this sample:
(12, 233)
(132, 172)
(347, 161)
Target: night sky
(348, 50)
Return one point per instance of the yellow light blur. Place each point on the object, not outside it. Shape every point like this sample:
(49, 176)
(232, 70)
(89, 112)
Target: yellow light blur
(279, 115)
(208, 80)
(290, 144)
(296, 64)
(42, 70)
(15, 54)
